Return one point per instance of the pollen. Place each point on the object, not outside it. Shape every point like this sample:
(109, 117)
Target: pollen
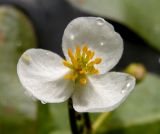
(81, 64)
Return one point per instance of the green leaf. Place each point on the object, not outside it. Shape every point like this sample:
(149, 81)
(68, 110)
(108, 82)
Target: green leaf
(142, 16)
(45, 122)
(17, 111)
(139, 113)
(61, 116)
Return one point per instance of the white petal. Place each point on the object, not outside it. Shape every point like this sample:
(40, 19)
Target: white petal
(100, 37)
(41, 72)
(103, 93)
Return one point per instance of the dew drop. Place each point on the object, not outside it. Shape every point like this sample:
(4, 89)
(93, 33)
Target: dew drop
(102, 43)
(43, 102)
(126, 88)
(123, 91)
(100, 21)
(72, 37)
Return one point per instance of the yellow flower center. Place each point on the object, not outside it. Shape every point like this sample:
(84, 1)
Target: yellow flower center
(81, 64)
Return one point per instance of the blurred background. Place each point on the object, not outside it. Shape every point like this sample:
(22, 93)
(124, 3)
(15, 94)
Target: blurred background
(37, 23)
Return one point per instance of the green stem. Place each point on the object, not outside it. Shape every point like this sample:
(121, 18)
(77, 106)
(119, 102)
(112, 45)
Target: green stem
(87, 123)
(100, 121)
(44, 119)
(80, 122)
(72, 117)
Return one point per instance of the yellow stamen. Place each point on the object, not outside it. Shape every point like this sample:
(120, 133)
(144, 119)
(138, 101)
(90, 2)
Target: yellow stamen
(70, 53)
(88, 53)
(97, 60)
(70, 76)
(75, 63)
(91, 55)
(73, 60)
(82, 72)
(94, 71)
(81, 64)
(91, 63)
(67, 64)
(83, 81)
(85, 48)
(78, 50)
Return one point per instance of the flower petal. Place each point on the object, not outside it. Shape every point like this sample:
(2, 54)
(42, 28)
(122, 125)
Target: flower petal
(100, 37)
(42, 74)
(103, 93)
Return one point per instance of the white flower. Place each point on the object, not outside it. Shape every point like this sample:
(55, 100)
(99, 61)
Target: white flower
(92, 48)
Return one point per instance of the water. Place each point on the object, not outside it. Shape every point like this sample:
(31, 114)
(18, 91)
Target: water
(43, 102)
(100, 21)
(72, 37)
(102, 43)
(47, 53)
(126, 88)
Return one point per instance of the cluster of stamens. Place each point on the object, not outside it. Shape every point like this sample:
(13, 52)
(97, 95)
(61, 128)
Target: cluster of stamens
(81, 64)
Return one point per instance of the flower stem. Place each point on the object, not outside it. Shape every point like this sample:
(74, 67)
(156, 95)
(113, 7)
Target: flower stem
(87, 122)
(80, 122)
(72, 117)
(99, 121)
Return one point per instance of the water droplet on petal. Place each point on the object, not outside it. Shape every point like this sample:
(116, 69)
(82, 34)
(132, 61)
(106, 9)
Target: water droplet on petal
(101, 43)
(100, 21)
(123, 91)
(126, 88)
(72, 37)
(43, 102)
